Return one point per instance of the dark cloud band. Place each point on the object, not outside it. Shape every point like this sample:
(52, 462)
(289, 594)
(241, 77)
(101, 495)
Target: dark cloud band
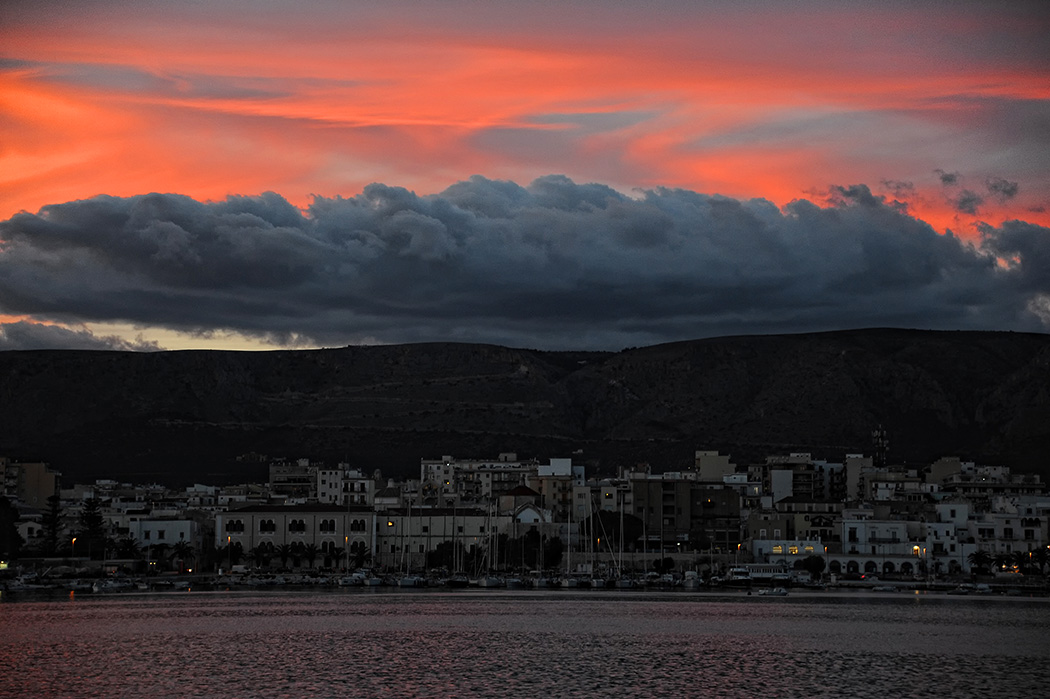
(555, 264)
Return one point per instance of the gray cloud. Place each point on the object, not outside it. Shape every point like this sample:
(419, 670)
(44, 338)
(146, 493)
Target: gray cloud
(948, 179)
(1002, 190)
(899, 188)
(967, 202)
(26, 335)
(554, 264)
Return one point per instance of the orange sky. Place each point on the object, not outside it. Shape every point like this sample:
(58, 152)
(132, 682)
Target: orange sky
(126, 98)
(941, 106)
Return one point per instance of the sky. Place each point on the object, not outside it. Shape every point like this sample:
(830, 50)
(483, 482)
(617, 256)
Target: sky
(558, 175)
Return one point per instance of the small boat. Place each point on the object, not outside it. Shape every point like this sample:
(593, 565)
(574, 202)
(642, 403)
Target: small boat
(112, 585)
(773, 592)
(410, 581)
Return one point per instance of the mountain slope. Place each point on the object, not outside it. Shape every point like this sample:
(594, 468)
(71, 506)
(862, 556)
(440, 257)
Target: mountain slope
(183, 416)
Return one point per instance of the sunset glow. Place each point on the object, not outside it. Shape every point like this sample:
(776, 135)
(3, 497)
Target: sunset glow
(937, 107)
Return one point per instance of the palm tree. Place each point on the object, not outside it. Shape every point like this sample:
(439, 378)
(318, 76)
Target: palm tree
(297, 553)
(182, 551)
(1023, 561)
(336, 555)
(1003, 560)
(310, 552)
(262, 554)
(128, 547)
(1040, 557)
(284, 552)
(980, 560)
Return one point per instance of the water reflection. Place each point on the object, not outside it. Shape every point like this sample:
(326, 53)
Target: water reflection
(514, 644)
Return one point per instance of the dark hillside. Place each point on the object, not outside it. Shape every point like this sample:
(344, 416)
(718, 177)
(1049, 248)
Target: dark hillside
(185, 416)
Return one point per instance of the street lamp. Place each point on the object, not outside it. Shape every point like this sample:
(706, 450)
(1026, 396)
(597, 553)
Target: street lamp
(73, 546)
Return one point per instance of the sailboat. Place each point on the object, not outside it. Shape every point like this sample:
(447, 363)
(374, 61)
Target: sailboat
(407, 579)
(569, 581)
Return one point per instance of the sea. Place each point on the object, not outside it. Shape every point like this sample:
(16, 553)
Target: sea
(510, 643)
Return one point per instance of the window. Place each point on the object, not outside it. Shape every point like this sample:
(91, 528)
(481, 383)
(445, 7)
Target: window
(145, 535)
(160, 533)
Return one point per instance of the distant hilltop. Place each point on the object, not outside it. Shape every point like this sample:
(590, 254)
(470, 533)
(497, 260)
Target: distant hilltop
(185, 416)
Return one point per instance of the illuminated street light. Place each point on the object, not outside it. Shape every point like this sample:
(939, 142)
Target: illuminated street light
(73, 545)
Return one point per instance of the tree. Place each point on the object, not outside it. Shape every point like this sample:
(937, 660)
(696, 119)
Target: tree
(553, 550)
(283, 552)
(10, 540)
(297, 553)
(310, 552)
(128, 547)
(1023, 561)
(182, 551)
(93, 527)
(1040, 558)
(980, 561)
(814, 565)
(335, 556)
(53, 525)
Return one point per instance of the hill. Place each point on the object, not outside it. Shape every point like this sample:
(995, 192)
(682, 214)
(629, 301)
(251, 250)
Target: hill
(187, 416)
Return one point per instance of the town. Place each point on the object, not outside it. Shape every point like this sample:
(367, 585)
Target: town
(790, 520)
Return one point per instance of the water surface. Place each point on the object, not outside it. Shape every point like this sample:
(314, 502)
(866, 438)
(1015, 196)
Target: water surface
(512, 643)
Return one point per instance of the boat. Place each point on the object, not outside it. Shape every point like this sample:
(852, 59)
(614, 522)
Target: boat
(112, 585)
(410, 581)
(773, 592)
(738, 577)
